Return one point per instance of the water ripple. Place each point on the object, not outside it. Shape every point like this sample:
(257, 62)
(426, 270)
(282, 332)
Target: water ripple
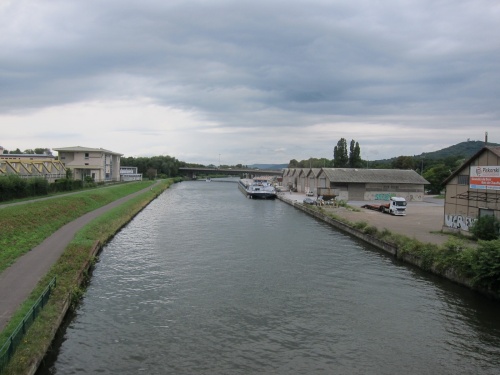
(205, 281)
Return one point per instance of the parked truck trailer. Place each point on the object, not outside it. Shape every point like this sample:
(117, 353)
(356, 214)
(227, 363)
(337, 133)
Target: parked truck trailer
(396, 206)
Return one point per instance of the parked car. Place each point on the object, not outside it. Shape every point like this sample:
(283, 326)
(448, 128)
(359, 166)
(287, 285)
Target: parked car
(309, 201)
(310, 194)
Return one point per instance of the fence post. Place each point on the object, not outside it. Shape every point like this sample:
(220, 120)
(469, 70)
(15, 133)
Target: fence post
(10, 350)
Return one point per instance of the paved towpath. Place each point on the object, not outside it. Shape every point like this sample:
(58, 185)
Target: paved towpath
(19, 280)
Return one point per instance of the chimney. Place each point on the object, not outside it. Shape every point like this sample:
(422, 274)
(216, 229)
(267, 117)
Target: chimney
(486, 138)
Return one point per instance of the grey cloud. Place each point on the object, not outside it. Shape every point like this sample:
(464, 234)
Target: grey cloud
(257, 63)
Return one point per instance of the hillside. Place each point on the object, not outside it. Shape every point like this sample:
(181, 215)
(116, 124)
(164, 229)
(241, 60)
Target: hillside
(464, 149)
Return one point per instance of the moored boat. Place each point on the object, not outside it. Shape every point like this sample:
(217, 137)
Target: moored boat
(258, 188)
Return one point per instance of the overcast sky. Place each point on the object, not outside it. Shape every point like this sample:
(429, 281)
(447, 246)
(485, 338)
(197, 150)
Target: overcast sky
(249, 81)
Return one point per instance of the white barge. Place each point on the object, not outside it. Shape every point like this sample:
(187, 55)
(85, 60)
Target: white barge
(258, 188)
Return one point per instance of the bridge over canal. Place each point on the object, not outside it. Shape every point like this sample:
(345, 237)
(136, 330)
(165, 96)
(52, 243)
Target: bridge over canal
(248, 173)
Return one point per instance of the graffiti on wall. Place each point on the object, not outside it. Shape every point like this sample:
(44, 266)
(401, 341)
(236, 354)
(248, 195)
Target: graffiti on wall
(383, 196)
(458, 222)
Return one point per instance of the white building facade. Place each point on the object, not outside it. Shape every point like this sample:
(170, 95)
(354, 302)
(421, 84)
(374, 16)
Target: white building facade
(97, 163)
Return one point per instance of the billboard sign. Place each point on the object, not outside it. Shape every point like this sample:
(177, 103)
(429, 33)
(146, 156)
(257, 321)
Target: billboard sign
(485, 177)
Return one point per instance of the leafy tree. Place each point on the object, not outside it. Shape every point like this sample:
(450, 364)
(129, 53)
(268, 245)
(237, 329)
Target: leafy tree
(403, 162)
(164, 165)
(16, 151)
(340, 158)
(486, 265)
(293, 164)
(436, 175)
(41, 151)
(151, 173)
(355, 155)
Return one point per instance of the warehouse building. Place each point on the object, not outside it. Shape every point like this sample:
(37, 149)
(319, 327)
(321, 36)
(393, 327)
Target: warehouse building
(358, 184)
(473, 191)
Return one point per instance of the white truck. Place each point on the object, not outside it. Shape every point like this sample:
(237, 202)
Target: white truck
(396, 206)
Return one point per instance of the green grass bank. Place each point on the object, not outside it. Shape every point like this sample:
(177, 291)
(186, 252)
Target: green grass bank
(27, 225)
(73, 266)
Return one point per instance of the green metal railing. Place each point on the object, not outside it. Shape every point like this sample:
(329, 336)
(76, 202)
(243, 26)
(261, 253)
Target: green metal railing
(15, 339)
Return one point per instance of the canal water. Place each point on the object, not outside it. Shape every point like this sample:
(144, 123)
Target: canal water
(204, 281)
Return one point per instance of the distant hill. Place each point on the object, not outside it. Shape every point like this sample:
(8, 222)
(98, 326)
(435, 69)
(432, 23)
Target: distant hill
(268, 166)
(464, 149)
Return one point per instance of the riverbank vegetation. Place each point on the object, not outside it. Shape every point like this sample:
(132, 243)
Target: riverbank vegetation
(13, 187)
(68, 271)
(23, 229)
(478, 265)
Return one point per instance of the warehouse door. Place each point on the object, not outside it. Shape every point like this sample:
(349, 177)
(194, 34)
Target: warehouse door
(356, 192)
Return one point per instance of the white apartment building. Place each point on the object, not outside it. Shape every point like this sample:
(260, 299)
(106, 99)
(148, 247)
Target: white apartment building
(99, 164)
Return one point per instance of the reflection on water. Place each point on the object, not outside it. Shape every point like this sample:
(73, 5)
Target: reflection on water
(204, 281)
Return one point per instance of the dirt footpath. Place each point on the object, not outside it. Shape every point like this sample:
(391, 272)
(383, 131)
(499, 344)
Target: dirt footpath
(423, 220)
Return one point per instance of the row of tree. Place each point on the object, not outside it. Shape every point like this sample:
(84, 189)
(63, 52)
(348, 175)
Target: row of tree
(342, 158)
(31, 151)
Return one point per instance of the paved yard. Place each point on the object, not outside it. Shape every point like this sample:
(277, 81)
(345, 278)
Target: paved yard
(423, 220)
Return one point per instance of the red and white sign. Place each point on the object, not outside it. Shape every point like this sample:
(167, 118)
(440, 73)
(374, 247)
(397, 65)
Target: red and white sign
(485, 177)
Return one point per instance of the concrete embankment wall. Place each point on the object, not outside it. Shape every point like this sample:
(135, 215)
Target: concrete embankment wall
(387, 247)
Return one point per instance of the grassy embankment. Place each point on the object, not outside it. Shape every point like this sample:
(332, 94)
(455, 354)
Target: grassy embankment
(26, 226)
(478, 266)
(69, 266)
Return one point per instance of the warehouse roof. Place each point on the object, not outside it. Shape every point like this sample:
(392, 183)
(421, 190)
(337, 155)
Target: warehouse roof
(354, 175)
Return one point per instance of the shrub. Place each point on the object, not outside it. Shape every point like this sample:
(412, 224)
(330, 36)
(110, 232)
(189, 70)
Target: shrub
(38, 186)
(6, 189)
(14, 187)
(360, 225)
(370, 230)
(486, 228)
(486, 265)
(341, 203)
(385, 233)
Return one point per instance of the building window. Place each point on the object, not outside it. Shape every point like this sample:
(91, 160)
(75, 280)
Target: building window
(86, 155)
(463, 179)
(486, 212)
(86, 163)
